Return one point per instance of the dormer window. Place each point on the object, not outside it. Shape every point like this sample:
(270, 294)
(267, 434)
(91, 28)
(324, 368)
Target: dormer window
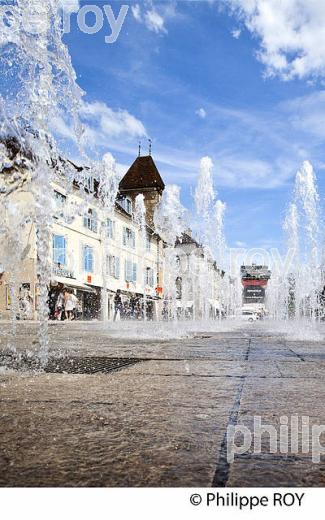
(126, 204)
(90, 184)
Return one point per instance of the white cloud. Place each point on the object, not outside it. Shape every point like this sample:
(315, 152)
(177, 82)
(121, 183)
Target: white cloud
(154, 17)
(60, 127)
(246, 172)
(236, 33)
(291, 34)
(136, 11)
(103, 127)
(154, 21)
(105, 122)
(201, 113)
(306, 114)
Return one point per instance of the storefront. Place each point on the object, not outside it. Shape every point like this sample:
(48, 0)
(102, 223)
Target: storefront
(89, 298)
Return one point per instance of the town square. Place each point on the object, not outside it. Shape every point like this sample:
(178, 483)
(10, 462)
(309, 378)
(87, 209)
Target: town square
(162, 258)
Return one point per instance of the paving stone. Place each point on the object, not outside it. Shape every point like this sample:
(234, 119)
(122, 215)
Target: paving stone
(163, 420)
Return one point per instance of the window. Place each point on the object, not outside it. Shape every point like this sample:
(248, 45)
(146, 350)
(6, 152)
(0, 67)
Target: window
(59, 249)
(113, 266)
(148, 242)
(149, 277)
(126, 204)
(60, 203)
(130, 271)
(90, 220)
(110, 228)
(88, 259)
(59, 198)
(128, 237)
(90, 184)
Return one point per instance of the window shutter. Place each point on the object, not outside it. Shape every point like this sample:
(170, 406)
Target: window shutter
(64, 250)
(124, 236)
(84, 258)
(91, 256)
(87, 258)
(117, 267)
(134, 277)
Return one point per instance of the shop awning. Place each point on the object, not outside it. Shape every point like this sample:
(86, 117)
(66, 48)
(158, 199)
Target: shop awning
(73, 284)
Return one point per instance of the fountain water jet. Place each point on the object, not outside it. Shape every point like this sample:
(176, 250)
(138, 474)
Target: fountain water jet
(140, 220)
(169, 223)
(39, 82)
(294, 292)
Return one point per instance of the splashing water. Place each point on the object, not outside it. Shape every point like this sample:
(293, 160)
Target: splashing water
(169, 215)
(210, 215)
(140, 219)
(38, 84)
(204, 193)
(169, 221)
(220, 240)
(307, 198)
(294, 291)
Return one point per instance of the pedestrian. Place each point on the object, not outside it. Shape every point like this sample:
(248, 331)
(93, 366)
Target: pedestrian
(59, 306)
(69, 304)
(118, 304)
(133, 303)
(26, 306)
(75, 303)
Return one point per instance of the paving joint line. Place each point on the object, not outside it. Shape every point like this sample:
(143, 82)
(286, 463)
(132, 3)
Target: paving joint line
(221, 475)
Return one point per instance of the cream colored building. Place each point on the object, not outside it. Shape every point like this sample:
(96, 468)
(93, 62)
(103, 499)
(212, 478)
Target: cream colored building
(99, 253)
(92, 252)
(95, 252)
(199, 284)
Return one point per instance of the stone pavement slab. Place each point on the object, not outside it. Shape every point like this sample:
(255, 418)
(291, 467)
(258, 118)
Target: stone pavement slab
(162, 421)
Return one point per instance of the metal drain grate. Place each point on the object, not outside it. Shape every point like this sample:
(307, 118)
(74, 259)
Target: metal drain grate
(71, 365)
(89, 365)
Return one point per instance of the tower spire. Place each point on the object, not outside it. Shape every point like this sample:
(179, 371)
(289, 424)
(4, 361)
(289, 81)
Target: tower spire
(139, 148)
(150, 146)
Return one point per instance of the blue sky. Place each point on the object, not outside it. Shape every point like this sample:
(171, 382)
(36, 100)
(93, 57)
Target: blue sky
(200, 79)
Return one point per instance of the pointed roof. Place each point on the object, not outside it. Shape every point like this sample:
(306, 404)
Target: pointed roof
(142, 174)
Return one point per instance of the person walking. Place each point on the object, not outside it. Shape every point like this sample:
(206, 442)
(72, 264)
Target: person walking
(118, 304)
(69, 305)
(59, 306)
(75, 303)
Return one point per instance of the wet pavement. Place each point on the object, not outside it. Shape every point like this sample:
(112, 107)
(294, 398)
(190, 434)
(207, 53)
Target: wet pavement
(155, 412)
